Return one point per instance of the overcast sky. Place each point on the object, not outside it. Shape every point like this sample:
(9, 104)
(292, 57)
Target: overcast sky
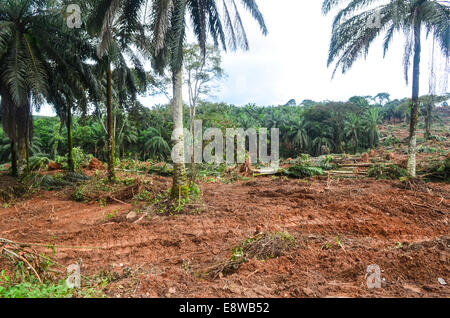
(291, 62)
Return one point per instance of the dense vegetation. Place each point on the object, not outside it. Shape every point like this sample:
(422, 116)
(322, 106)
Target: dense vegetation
(95, 68)
(141, 133)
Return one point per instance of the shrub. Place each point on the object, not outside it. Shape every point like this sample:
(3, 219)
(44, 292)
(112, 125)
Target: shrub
(165, 169)
(425, 149)
(80, 159)
(302, 171)
(391, 141)
(387, 172)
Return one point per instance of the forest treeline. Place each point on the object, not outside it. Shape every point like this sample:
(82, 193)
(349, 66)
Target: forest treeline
(93, 57)
(142, 133)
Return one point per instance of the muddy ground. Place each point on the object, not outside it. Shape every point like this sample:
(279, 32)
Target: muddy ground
(340, 228)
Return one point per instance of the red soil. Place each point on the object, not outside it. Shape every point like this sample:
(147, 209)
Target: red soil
(52, 166)
(161, 255)
(96, 164)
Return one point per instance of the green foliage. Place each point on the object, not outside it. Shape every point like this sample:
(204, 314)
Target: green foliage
(325, 163)
(387, 172)
(166, 204)
(426, 149)
(438, 171)
(29, 290)
(32, 288)
(39, 161)
(391, 140)
(302, 171)
(161, 169)
(210, 170)
(80, 159)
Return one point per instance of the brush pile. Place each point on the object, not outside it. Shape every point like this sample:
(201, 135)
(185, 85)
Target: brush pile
(24, 259)
(101, 190)
(262, 246)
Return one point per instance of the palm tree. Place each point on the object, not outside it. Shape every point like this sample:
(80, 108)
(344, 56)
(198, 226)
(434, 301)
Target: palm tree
(154, 144)
(297, 134)
(372, 120)
(337, 123)
(128, 135)
(23, 79)
(382, 98)
(39, 59)
(322, 143)
(352, 126)
(69, 87)
(169, 28)
(353, 33)
(117, 26)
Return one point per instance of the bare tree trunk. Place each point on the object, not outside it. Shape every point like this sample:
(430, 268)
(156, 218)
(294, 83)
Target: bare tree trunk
(24, 132)
(179, 186)
(111, 174)
(415, 101)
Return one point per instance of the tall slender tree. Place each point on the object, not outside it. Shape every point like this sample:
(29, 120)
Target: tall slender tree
(169, 32)
(358, 24)
(116, 23)
(33, 44)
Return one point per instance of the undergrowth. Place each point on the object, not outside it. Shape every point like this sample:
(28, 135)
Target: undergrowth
(165, 205)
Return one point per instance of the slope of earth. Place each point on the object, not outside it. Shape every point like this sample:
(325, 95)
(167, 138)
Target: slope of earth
(339, 228)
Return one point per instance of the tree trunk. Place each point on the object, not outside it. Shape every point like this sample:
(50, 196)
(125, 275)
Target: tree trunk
(415, 101)
(179, 186)
(56, 145)
(14, 170)
(111, 174)
(24, 132)
(22, 157)
(70, 162)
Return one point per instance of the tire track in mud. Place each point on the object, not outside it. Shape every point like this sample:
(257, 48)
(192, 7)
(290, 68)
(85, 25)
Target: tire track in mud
(356, 211)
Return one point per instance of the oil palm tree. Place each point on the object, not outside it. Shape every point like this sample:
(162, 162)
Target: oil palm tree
(352, 126)
(169, 31)
(154, 144)
(128, 135)
(354, 31)
(371, 121)
(23, 79)
(118, 29)
(297, 134)
(71, 87)
(321, 143)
